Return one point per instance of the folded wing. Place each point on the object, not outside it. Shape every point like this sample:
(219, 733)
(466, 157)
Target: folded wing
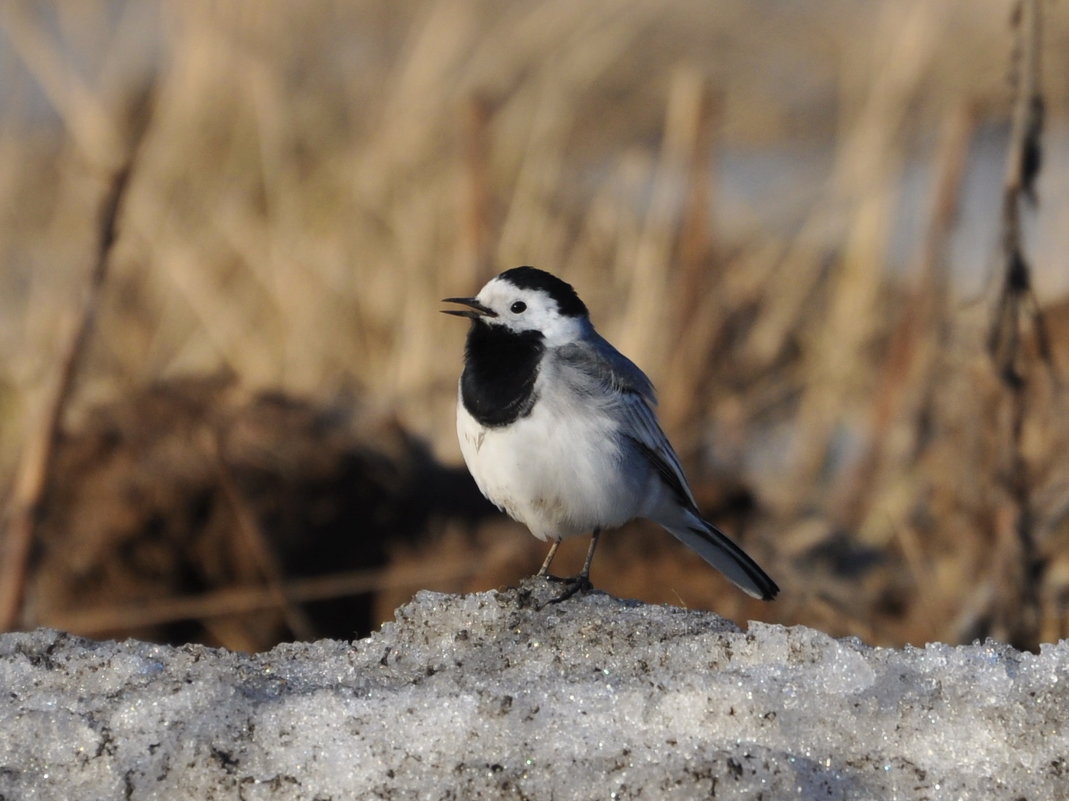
(597, 367)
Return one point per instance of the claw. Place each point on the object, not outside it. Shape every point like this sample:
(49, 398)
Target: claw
(576, 585)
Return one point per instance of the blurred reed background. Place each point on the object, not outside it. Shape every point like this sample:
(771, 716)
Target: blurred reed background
(236, 420)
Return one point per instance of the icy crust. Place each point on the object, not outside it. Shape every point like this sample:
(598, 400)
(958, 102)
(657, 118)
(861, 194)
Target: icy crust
(498, 695)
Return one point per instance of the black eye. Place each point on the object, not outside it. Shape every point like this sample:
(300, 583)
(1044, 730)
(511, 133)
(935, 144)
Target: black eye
(519, 307)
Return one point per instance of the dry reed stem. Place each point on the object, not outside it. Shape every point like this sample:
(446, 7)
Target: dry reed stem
(866, 182)
(697, 314)
(478, 200)
(646, 337)
(35, 471)
(82, 110)
(916, 339)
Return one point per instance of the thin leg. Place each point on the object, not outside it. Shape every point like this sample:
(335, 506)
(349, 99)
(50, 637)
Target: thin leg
(581, 583)
(549, 558)
(584, 574)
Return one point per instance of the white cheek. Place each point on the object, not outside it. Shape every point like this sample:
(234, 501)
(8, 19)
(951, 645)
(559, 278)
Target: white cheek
(559, 331)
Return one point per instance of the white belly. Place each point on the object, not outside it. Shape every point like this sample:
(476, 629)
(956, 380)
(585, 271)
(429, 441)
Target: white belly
(557, 470)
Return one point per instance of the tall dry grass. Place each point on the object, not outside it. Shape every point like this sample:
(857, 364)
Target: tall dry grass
(313, 177)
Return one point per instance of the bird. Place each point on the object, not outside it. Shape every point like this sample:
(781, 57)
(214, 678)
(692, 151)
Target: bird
(558, 428)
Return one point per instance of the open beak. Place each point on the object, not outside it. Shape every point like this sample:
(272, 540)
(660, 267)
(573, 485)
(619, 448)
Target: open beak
(474, 311)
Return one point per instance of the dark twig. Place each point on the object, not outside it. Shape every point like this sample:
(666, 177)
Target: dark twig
(101, 620)
(36, 466)
(1022, 612)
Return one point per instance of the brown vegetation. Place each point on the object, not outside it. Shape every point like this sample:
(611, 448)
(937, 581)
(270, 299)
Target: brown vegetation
(312, 177)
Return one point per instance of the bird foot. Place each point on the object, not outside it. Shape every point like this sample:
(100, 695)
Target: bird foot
(576, 584)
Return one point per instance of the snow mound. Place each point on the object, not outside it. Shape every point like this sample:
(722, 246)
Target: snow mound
(502, 695)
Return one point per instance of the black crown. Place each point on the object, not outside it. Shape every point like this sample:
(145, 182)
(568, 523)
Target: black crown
(568, 301)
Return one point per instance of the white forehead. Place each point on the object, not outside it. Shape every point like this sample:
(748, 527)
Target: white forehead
(500, 291)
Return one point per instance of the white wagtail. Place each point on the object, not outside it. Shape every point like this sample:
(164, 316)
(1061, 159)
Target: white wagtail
(557, 427)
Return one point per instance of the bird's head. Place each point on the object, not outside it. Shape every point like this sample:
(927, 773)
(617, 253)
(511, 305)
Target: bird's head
(528, 299)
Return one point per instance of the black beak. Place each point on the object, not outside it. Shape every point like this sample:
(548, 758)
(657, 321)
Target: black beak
(474, 311)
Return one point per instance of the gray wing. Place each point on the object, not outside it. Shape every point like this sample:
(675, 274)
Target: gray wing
(601, 370)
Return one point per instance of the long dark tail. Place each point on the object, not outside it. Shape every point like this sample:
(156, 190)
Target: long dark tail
(715, 548)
